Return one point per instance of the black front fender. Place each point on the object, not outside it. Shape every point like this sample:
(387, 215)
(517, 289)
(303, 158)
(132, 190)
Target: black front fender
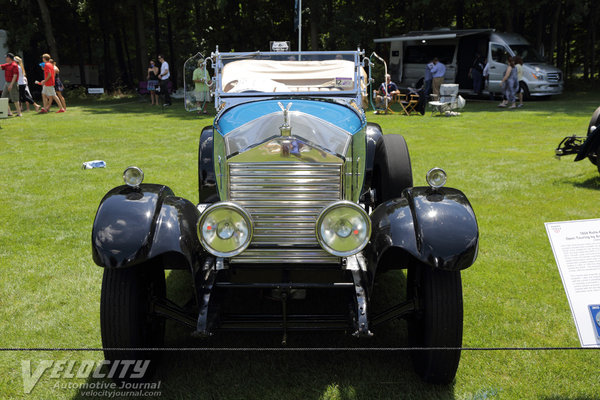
(590, 146)
(133, 225)
(438, 228)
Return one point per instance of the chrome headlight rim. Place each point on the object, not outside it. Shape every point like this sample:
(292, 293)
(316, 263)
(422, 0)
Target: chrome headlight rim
(231, 206)
(138, 171)
(327, 210)
(430, 178)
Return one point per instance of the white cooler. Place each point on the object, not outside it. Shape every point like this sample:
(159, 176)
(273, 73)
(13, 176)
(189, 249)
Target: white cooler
(3, 108)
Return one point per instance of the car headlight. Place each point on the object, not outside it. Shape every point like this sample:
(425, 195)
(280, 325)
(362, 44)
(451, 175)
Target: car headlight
(343, 228)
(436, 178)
(225, 229)
(133, 176)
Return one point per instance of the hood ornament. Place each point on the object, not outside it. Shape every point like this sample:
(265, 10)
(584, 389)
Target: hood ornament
(286, 129)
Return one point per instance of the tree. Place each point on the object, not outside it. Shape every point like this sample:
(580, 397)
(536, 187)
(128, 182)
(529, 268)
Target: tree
(48, 29)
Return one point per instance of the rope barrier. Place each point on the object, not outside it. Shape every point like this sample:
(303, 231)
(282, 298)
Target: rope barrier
(294, 349)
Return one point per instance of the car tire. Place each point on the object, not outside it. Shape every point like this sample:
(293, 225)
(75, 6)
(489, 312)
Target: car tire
(437, 323)
(125, 315)
(594, 121)
(392, 170)
(525, 89)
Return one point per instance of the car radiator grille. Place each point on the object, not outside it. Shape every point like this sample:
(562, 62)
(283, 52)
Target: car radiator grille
(553, 77)
(284, 200)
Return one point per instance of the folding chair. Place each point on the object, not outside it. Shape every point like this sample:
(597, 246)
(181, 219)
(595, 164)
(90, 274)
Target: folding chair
(408, 102)
(447, 99)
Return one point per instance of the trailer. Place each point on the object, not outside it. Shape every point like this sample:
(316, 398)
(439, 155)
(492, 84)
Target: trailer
(410, 53)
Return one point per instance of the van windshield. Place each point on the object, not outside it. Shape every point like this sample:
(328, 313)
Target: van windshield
(527, 53)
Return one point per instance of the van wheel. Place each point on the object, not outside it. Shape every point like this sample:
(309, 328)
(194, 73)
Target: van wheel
(525, 89)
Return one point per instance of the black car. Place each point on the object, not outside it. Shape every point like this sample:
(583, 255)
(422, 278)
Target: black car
(583, 146)
(300, 199)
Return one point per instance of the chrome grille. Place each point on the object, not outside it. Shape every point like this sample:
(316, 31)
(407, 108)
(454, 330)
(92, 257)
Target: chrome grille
(284, 200)
(553, 76)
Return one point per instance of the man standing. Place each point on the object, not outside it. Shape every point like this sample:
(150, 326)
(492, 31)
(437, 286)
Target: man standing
(428, 79)
(476, 73)
(11, 87)
(438, 71)
(164, 80)
(48, 91)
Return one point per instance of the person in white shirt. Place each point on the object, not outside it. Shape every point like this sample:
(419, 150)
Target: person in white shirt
(24, 93)
(164, 79)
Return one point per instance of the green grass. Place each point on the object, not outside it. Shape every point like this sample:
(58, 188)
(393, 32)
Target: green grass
(502, 160)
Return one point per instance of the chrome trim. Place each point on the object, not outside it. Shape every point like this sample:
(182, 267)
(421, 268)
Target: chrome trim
(343, 203)
(242, 212)
(284, 200)
(217, 59)
(219, 165)
(136, 169)
(428, 177)
(278, 256)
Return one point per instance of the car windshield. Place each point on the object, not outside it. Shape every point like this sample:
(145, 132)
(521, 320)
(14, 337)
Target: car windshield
(288, 73)
(527, 53)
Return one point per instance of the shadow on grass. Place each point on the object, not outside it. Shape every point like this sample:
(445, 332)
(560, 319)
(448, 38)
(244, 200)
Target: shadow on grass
(302, 374)
(141, 106)
(590, 183)
(571, 398)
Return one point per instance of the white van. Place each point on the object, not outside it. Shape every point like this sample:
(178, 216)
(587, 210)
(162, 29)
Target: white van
(410, 53)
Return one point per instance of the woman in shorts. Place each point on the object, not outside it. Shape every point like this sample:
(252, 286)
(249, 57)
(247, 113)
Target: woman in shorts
(520, 90)
(58, 86)
(152, 78)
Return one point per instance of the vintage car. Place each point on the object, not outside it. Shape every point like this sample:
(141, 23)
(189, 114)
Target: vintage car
(301, 202)
(583, 146)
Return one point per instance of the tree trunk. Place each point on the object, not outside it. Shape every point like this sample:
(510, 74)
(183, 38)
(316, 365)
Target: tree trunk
(140, 41)
(130, 69)
(593, 53)
(460, 14)
(314, 26)
(560, 43)
(48, 29)
(156, 27)
(80, 54)
(172, 64)
(556, 20)
(124, 76)
(539, 36)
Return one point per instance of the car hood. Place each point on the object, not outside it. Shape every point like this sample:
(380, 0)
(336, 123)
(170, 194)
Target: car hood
(542, 67)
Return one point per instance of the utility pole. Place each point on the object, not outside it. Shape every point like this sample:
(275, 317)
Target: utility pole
(299, 25)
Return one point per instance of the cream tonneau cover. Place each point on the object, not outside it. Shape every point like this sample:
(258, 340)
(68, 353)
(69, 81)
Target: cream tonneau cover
(289, 76)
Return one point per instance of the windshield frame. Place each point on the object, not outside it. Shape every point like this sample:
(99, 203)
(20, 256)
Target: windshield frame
(530, 48)
(219, 61)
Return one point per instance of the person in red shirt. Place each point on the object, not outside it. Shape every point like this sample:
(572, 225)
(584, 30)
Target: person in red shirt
(48, 91)
(11, 87)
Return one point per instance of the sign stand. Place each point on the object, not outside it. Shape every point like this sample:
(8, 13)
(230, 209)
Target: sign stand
(576, 248)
